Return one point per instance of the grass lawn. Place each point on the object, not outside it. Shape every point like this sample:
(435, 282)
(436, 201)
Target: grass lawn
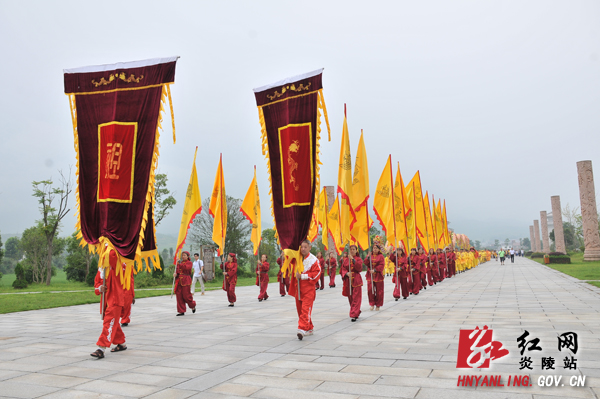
(46, 299)
(578, 268)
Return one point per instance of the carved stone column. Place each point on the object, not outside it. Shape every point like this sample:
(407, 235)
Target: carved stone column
(589, 212)
(545, 236)
(559, 235)
(531, 238)
(536, 235)
(330, 190)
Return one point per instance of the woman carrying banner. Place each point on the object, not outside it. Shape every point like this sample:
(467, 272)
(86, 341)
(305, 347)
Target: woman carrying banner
(262, 270)
(401, 274)
(350, 272)
(375, 265)
(183, 281)
(230, 278)
(307, 279)
(113, 305)
(415, 261)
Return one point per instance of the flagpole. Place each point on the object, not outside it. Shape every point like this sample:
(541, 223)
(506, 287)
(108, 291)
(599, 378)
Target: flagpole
(369, 248)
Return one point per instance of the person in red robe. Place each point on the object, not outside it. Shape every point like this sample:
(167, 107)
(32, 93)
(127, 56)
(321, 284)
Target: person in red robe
(284, 282)
(375, 266)
(451, 261)
(113, 306)
(350, 272)
(230, 277)
(321, 283)
(183, 282)
(415, 264)
(262, 270)
(331, 269)
(401, 275)
(442, 262)
(423, 267)
(433, 261)
(128, 300)
(308, 279)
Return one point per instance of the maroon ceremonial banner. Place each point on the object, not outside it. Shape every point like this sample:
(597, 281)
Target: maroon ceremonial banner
(117, 112)
(289, 114)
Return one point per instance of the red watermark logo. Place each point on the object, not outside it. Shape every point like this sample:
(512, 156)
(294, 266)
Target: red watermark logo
(476, 348)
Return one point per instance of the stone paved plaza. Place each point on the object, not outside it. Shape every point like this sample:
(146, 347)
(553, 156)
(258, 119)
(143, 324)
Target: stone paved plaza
(406, 350)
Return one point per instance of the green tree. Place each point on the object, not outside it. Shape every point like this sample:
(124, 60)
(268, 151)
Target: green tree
(164, 201)
(496, 243)
(47, 194)
(477, 245)
(165, 254)
(79, 260)
(506, 242)
(35, 246)
(1, 250)
(526, 243)
(13, 248)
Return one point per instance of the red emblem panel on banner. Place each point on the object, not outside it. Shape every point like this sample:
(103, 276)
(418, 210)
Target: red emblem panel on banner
(296, 148)
(116, 161)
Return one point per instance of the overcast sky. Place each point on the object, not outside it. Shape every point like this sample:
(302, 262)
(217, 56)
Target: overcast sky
(494, 102)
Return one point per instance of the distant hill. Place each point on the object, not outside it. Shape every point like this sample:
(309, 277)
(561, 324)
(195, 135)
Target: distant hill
(165, 241)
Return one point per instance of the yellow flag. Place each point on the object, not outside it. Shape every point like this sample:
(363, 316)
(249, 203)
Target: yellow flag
(334, 226)
(191, 207)
(448, 238)
(431, 241)
(383, 202)
(411, 220)
(439, 230)
(313, 231)
(419, 208)
(360, 229)
(345, 184)
(400, 205)
(360, 180)
(251, 210)
(322, 218)
(218, 209)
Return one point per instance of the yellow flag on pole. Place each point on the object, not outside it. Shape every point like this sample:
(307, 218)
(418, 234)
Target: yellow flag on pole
(383, 202)
(360, 196)
(251, 210)
(322, 218)
(431, 241)
(313, 231)
(439, 230)
(191, 207)
(334, 226)
(400, 205)
(411, 220)
(419, 208)
(345, 184)
(218, 208)
(448, 237)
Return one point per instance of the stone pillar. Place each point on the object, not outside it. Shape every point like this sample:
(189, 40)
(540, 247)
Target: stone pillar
(531, 238)
(536, 235)
(589, 211)
(545, 235)
(559, 235)
(330, 190)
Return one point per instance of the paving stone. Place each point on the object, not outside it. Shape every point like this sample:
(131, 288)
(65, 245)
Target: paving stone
(17, 390)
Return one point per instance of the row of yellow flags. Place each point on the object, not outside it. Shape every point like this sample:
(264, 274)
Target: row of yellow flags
(403, 212)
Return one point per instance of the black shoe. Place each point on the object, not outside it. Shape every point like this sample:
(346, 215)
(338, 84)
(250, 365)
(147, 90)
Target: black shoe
(231, 305)
(300, 336)
(266, 298)
(283, 295)
(260, 300)
(353, 319)
(321, 289)
(99, 354)
(194, 310)
(405, 297)
(396, 299)
(124, 324)
(180, 314)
